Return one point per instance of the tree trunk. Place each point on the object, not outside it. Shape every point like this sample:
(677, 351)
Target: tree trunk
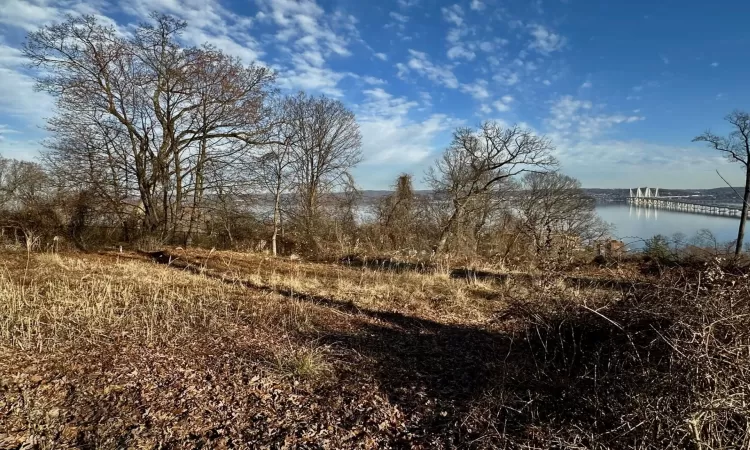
(197, 194)
(743, 219)
(449, 228)
(276, 216)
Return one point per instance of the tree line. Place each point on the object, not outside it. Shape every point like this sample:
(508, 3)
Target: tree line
(151, 139)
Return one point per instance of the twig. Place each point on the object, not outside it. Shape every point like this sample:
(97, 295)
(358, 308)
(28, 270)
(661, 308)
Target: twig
(605, 318)
(730, 186)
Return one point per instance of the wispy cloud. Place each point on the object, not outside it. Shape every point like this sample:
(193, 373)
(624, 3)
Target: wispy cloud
(453, 14)
(544, 40)
(477, 5)
(503, 105)
(460, 52)
(420, 63)
(389, 135)
(479, 89)
(575, 119)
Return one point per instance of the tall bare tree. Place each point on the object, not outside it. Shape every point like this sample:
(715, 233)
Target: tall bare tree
(326, 145)
(553, 206)
(478, 161)
(151, 111)
(736, 147)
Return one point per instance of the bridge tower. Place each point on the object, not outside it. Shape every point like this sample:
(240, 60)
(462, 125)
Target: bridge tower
(643, 195)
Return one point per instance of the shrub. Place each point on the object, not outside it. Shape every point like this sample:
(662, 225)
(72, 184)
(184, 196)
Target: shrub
(657, 248)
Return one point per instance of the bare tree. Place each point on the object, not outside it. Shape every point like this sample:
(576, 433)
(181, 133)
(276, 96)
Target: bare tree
(553, 207)
(274, 176)
(736, 147)
(478, 161)
(146, 114)
(27, 202)
(326, 145)
(22, 184)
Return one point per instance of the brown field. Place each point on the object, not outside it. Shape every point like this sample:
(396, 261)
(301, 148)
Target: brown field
(199, 349)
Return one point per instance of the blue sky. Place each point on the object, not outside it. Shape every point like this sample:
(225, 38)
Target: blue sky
(621, 87)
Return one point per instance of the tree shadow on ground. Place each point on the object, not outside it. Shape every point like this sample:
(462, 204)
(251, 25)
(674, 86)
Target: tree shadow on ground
(576, 379)
(392, 265)
(387, 264)
(549, 378)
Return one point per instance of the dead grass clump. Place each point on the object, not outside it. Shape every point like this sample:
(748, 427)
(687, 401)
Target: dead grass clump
(305, 362)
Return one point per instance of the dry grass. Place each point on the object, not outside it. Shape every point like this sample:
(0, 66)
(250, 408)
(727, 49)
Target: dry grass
(303, 362)
(69, 299)
(212, 349)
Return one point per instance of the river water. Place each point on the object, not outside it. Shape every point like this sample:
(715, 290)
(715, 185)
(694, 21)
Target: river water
(633, 224)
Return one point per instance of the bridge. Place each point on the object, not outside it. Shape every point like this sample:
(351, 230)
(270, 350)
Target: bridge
(649, 198)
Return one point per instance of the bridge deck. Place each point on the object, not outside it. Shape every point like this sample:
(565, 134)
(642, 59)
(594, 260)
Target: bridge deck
(671, 204)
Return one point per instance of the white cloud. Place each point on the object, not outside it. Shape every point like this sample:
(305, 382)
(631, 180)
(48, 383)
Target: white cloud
(398, 17)
(664, 59)
(478, 89)
(27, 149)
(426, 99)
(714, 64)
(586, 85)
(31, 14)
(308, 36)
(507, 77)
(27, 15)
(11, 57)
(18, 98)
(503, 105)
(240, 45)
(637, 157)
(419, 63)
(458, 51)
(453, 14)
(477, 5)
(576, 120)
(390, 136)
(544, 40)
(582, 134)
(310, 77)
(399, 22)
(208, 23)
(380, 103)
(407, 3)
(373, 80)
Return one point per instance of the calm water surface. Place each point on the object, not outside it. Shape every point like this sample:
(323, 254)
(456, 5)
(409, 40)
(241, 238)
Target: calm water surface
(633, 224)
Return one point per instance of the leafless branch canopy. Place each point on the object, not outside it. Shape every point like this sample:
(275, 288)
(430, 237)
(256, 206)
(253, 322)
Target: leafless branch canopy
(736, 146)
(145, 114)
(478, 162)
